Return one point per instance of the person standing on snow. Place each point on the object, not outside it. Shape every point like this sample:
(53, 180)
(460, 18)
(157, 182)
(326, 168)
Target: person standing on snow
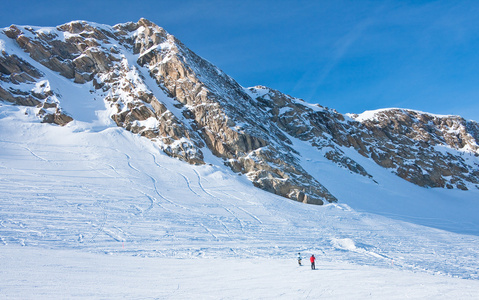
(299, 259)
(312, 259)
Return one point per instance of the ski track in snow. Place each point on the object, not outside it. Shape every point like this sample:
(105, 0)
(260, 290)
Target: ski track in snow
(37, 156)
(220, 200)
(188, 184)
(242, 209)
(130, 165)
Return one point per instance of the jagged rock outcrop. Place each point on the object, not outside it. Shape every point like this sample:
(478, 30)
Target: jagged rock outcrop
(155, 86)
(323, 128)
(14, 72)
(416, 145)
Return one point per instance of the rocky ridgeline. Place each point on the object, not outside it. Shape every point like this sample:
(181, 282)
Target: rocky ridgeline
(157, 87)
(416, 144)
(413, 145)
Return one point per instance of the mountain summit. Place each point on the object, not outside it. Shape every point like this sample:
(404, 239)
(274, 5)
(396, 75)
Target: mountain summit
(139, 77)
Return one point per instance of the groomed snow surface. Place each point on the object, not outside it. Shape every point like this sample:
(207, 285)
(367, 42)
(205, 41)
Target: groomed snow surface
(58, 274)
(90, 211)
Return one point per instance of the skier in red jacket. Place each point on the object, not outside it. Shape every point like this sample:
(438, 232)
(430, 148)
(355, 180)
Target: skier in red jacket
(312, 259)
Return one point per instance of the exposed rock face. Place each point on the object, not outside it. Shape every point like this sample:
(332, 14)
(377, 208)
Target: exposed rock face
(323, 128)
(16, 72)
(156, 87)
(415, 145)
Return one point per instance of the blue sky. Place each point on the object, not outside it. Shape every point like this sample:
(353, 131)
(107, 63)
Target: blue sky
(348, 55)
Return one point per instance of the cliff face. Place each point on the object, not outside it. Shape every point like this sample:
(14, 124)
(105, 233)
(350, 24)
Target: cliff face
(155, 86)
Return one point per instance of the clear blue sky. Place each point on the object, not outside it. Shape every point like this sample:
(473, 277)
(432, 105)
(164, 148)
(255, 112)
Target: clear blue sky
(348, 55)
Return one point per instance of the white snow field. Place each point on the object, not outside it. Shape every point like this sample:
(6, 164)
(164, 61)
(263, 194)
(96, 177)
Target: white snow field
(92, 211)
(54, 274)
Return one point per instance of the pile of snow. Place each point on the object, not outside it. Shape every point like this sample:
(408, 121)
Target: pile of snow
(344, 244)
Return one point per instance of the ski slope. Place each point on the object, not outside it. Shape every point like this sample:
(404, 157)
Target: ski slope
(102, 209)
(59, 274)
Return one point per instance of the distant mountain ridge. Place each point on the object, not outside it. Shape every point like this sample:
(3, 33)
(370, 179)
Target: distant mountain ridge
(153, 85)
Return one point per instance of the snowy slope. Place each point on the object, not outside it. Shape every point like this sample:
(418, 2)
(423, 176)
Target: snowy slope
(110, 191)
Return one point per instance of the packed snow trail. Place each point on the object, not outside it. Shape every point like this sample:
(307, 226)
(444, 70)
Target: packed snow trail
(33, 273)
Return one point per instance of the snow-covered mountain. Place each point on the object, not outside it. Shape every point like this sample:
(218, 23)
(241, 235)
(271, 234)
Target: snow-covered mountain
(155, 86)
(119, 139)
